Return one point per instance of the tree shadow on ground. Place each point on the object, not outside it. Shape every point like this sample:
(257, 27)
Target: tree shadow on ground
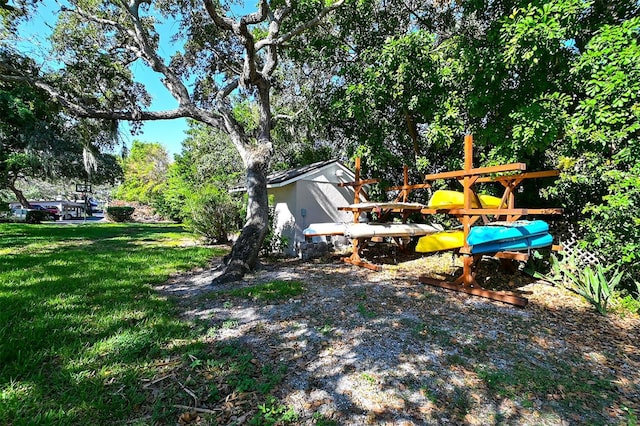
(77, 330)
(362, 347)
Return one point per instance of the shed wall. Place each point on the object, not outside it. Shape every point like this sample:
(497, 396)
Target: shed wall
(312, 199)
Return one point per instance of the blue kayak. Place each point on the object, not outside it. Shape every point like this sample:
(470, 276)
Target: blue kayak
(525, 243)
(506, 231)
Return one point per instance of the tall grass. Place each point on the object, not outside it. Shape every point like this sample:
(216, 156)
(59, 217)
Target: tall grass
(80, 325)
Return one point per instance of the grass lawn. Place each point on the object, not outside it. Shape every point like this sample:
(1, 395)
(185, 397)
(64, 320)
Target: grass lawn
(81, 329)
(86, 340)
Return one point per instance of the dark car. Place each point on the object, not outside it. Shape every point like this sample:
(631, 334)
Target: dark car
(51, 210)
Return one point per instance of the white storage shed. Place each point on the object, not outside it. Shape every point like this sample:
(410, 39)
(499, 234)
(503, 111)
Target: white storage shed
(309, 194)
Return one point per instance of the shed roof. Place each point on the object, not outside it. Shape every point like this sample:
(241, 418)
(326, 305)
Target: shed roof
(285, 177)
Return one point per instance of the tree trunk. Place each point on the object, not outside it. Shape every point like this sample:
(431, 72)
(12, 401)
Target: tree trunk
(413, 133)
(19, 196)
(244, 253)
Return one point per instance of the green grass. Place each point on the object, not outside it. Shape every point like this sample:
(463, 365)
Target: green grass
(80, 325)
(525, 379)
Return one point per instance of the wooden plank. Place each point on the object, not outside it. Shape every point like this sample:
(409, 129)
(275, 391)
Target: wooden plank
(477, 171)
(362, 264)
(359, 182)
(411, 187)
(500, 296)
(528, 175)
(433, 211)
(516, 211)
(322, 234)
(386, 209)
(499, 212)
(513, 255)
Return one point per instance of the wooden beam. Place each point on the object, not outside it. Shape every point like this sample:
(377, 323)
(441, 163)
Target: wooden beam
(362, 264)
(500, 296)
(458, 174)
(381, 207)
(360, 182)
(411, 187)
(528, 175)
(468, 152)
(480, 212)
(513, 255)
(324, 234)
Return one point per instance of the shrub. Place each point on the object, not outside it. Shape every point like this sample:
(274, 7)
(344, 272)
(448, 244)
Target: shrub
(273, 243)
(594, 285)
(213, 214)
(37, 216)
(627, 303)
(120, 214)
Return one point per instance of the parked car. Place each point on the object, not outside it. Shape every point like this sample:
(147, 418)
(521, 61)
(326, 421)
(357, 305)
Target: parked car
(19, 214)
(33, 215)
(52, 211)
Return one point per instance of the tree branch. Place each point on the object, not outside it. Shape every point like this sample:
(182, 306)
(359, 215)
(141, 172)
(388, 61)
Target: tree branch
(221, 21)
(86, 111)
(226, 91)
(256, 17)
(240, 28)
(271, 60)
(93, 18)
(300, 28)
(149, 54)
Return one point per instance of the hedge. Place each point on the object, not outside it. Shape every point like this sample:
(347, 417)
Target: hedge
(120, 214)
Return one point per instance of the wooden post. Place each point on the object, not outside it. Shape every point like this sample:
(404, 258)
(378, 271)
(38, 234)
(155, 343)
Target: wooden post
(356, 245)
(356, 196)
(467, 264)
(467, 281)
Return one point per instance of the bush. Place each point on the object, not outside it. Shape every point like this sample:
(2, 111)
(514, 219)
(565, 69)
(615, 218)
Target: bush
(213, 214)
(37, 216)
(273, 243)
(120, 214)
(597, 284)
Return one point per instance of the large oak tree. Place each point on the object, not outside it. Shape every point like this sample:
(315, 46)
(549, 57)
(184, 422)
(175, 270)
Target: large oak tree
(224, 58)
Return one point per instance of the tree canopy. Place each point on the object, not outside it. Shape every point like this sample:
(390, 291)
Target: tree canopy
(97, 43)
(548, 83)
(145, 169)
(39, 141)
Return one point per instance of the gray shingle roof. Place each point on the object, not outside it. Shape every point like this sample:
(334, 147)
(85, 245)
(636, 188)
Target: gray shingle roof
(282, 176)
(286, 175)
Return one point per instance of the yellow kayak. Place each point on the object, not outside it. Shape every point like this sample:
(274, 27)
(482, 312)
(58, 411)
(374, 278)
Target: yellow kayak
(444, 199)
(444, 240)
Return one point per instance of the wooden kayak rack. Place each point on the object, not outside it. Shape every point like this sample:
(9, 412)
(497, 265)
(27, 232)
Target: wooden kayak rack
(468, 215)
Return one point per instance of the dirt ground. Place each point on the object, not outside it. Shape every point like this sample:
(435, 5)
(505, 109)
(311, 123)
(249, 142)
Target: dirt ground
(363, 347)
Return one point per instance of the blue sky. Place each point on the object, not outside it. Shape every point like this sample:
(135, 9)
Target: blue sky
(169, 133)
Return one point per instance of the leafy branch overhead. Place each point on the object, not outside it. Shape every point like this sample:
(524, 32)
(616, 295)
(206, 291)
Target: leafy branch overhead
(98, 43)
